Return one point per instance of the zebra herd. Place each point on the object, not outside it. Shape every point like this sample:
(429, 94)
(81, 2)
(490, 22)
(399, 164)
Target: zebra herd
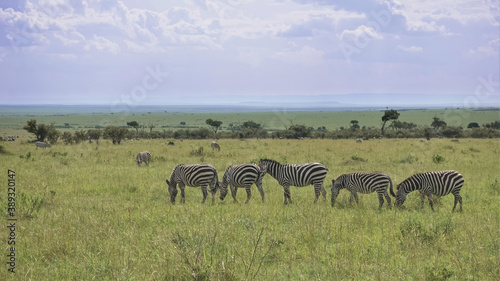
(438, 183)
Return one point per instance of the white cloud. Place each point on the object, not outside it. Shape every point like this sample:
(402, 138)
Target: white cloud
(361, 31)
(429, 15)
(410, 49)
(490, 50)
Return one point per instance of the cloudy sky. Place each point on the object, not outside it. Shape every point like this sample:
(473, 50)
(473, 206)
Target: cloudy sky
(216, 51)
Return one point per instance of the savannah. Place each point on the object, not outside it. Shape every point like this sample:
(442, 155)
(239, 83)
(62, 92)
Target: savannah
(86, 211)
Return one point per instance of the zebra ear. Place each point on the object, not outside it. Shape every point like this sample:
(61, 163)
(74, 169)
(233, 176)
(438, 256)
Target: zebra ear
(333, 181)
(167, 182)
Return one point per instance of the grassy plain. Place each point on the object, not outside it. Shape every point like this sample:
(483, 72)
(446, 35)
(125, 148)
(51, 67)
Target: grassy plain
(87, 212)
(273, 120)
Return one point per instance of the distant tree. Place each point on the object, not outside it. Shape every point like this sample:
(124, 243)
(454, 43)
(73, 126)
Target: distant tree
(252, 127)
(39, 130)
(437, 123)
(80, 136)
(151, 127)
(67, 137)
(53, 134)
(473, 125)
(115, 133)
(354, 124)
(214, 125)
(94, 134)
(134, 124)
(299, 131)
(389, 115)
(493, 125)
(398, 125)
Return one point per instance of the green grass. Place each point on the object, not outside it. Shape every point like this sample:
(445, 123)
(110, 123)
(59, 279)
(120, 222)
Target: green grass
(276, 120)
(88, 212)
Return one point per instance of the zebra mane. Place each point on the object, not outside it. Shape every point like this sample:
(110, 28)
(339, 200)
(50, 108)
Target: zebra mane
(271, 160)
(409, 178)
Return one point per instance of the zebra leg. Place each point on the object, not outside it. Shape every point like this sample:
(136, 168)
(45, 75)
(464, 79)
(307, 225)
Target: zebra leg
(323, 191)
(259, 187)
(317, 190)
(429, 196)
(205, 193)
(249, 193)
(288, 198)
(380, 200)
(387, 198)
(233, 192)
(458, 198)
(183, 197)
(422, 198)
(354, 194)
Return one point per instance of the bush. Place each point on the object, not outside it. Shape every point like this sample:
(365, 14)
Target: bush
(436, 158)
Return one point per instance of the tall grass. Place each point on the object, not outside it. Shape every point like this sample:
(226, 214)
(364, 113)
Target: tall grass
(88, 212)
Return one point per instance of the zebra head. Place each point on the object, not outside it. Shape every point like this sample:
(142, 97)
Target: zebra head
(400, 194)
(172, 190)
(223, 190)
(267, 165)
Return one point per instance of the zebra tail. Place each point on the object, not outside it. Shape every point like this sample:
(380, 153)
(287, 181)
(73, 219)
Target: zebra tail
(391, 188)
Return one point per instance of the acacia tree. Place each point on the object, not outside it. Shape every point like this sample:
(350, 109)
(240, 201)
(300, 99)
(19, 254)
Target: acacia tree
(116, 134)
(437, 123)
(41, 131)
(135, 125)
(389, 115)
(214, 124)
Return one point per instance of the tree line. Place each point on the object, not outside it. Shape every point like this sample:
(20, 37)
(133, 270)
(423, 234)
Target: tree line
(251, 129)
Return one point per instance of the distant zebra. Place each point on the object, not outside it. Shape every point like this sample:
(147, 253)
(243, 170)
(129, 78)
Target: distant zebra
(215, 145)
(363, 183)
(359, 141)
(439, 183)
(296, 175)
(41, 144)
(193, 175)
(143, 156)
(243, 175)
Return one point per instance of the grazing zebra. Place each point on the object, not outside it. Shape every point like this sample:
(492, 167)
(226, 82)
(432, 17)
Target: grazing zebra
(296, 175)
(193, 175)
(359, 141)
(144, 156)
(439, 183)
(215, 145)
(243, 175)
(363, 183)
(41, 144)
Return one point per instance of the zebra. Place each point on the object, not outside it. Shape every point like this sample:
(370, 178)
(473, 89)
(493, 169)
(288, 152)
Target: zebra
(359, 141)
(41, 144)
(296, 175)
(439, 183)
(363, 183)
(193, 175)
(143, 156)
(215, 145)
(243, 175)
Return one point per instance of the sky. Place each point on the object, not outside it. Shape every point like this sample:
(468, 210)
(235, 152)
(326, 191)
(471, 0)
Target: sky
(229, 51)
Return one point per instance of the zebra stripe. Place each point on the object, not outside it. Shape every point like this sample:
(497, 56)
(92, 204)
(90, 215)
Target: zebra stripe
(296, 175)
(215, 145)
(41, 144)
(243, 175)
(143, 156)
(193, 175)
(439, 183)
(363, 183)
